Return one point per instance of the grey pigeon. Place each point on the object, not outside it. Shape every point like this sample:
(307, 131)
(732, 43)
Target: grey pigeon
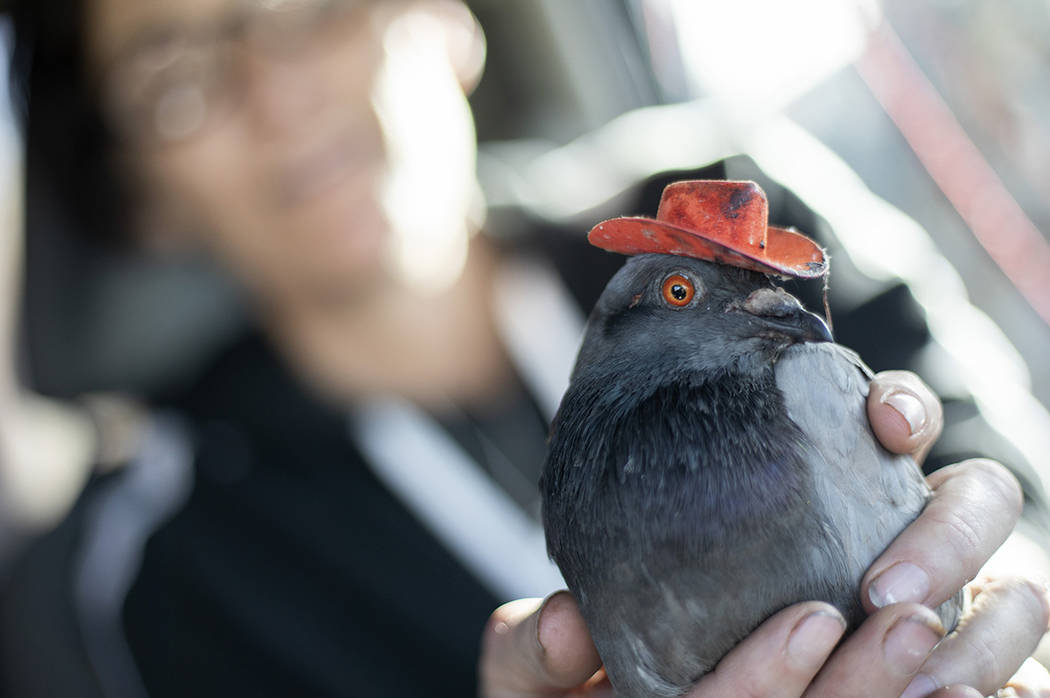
(710, 464)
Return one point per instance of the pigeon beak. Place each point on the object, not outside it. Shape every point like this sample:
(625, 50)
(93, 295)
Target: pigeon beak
(782, 314)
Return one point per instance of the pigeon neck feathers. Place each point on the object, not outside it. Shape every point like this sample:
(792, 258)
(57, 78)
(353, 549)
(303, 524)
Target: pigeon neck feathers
(716, 452)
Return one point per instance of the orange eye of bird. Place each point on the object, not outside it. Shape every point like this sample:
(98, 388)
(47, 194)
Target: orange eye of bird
(678, 290)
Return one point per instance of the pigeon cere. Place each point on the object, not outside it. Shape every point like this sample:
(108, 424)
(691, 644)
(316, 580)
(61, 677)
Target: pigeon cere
(711, 461)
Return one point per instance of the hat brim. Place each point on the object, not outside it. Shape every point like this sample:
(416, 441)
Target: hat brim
(786, 252)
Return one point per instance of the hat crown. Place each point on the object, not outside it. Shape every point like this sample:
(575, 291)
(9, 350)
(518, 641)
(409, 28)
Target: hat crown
(736, 213)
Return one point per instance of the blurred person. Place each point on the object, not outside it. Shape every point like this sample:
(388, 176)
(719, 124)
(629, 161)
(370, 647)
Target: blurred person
(284, 527)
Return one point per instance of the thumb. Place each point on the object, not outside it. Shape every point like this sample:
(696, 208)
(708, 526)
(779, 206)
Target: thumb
(535, 647)
(905, 414)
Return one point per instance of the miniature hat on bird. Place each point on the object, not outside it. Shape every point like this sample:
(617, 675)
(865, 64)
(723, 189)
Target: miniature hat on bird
(718, 221)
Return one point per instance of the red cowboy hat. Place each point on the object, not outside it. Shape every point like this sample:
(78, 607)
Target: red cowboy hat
(724, 222)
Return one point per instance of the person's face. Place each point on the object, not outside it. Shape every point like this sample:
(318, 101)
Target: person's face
(311, 143)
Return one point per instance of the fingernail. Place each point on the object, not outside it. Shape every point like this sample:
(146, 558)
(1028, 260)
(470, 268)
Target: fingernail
(909, 407)
(921, 686)
(901, 582)
(814, 637)
(909, 642)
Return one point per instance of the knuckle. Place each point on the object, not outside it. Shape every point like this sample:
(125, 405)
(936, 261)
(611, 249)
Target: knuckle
(984, 660)
(846, 689)
(754, 686)
(995, 478)
(962, 532)
(751, 689)
(749, 678)
(1035, 598)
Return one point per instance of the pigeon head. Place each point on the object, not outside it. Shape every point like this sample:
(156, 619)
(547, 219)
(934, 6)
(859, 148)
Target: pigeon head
(665, 316)
(696, 296)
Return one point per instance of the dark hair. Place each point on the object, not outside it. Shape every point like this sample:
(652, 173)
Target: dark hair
(72, 178)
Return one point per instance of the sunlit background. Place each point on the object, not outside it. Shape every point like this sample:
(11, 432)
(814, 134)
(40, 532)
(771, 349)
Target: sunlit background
(940, 108)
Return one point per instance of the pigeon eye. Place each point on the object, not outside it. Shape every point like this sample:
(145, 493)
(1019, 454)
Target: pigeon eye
(678, 290)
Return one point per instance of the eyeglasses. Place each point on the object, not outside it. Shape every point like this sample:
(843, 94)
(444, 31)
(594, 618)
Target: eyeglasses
(170, 83)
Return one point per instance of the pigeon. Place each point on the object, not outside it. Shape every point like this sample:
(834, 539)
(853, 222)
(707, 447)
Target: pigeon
(711, 461)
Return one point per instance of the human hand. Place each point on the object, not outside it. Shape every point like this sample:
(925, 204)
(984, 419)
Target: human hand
(544, 649)
(974, 509)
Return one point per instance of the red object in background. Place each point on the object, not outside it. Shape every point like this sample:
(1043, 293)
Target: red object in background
(718, 221)
(957, 166)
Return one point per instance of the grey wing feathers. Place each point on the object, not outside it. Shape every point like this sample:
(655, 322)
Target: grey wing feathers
(867, 494)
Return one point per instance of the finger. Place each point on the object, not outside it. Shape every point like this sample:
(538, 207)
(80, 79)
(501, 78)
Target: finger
(957, 691)
(904, 413)
(880, 658)
(1032, 680)
(974, 507)
(780, 658)
(1005, 623)
(531, 647)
